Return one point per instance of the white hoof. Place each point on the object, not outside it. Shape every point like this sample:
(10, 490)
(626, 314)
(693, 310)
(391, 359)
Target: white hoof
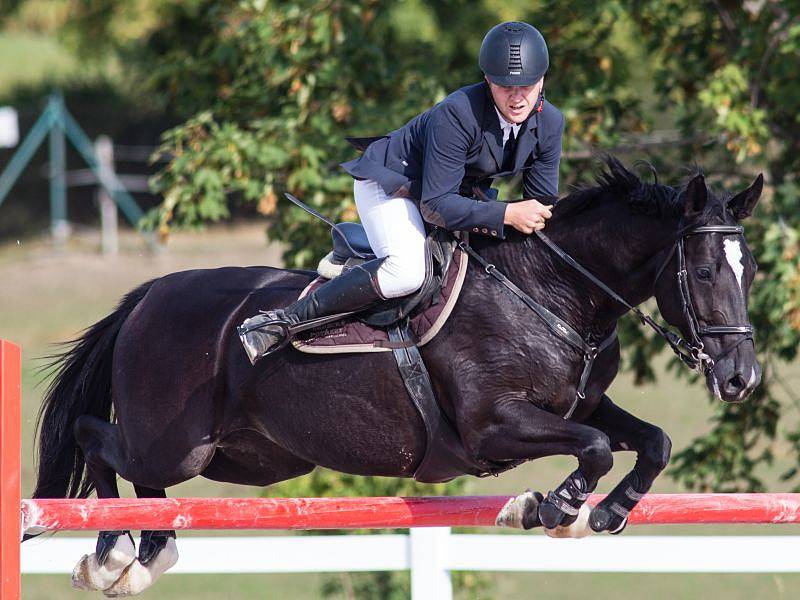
(580, 528)
(89, 575)
(138, 577)
(514, 510)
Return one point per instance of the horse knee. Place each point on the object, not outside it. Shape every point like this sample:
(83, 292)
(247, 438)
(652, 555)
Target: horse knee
(596, 456)
(658, 449)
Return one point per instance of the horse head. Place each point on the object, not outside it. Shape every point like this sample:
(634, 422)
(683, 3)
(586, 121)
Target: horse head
(703, 283)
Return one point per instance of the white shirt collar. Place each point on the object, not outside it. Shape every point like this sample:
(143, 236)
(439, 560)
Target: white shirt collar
(506, 126)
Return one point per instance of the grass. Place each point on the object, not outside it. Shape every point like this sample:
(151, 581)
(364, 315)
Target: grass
(28, 59)
(196, 587)
(544, 586)
(48, 296)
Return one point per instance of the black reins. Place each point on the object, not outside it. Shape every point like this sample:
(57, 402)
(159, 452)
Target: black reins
(557, 325)
(690, 352)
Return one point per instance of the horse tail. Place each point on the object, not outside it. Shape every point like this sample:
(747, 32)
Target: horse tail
(81, 386)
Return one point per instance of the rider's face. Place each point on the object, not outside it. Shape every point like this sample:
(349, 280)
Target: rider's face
(516, 102)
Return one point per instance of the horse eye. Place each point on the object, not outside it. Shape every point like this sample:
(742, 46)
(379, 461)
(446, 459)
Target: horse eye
(704, 273)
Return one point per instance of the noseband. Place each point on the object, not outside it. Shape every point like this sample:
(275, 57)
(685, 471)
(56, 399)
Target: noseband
(697, 357)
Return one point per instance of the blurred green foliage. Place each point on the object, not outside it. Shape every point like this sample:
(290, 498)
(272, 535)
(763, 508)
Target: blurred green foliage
(268, 89)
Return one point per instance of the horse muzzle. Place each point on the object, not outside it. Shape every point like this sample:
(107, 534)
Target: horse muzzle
(735, 383)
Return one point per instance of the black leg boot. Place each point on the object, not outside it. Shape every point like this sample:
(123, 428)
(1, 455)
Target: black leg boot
(352, 291)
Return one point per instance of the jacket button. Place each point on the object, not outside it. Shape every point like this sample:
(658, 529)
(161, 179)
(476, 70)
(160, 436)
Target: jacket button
(475, 229)
(494, 232)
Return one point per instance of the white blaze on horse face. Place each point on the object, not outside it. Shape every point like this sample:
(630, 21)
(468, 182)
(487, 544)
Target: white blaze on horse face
(733, 253)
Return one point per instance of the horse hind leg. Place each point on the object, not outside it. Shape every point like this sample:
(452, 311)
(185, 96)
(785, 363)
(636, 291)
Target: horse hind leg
(150, 474)
(157, 553)
(115, 550)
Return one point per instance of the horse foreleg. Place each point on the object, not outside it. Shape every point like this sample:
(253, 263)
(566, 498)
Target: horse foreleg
(157, 553)
(652, 448)
(513, 429)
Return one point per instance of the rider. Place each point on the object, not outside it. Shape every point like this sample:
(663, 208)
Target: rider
(430, 169)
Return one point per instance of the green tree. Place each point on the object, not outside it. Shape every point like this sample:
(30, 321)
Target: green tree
(726, 69)
(272, 89)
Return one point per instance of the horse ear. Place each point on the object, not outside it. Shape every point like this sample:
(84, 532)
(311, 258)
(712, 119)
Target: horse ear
(696, 195)
(743, 203)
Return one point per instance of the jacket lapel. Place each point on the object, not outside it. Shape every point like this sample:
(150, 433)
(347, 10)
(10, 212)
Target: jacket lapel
(527, 141)
(492, 134)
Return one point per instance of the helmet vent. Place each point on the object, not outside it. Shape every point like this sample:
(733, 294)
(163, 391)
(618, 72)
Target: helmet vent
(515, 58)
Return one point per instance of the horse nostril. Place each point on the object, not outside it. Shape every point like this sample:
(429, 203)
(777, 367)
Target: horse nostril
(735, 384)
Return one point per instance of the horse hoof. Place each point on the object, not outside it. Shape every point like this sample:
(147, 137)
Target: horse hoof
(521, 512)
(621, 527)
(89, 574)
(577, 529)
(138, 577)
(603, 519)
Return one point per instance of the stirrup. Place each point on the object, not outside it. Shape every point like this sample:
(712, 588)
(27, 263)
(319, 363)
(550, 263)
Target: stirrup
(286, 331)
(277, 328)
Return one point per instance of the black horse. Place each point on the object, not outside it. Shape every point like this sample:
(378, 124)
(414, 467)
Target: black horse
(160, 391)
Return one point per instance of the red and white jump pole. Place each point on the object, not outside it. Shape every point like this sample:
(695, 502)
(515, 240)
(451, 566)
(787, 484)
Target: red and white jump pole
(298, 513)
(376, 513)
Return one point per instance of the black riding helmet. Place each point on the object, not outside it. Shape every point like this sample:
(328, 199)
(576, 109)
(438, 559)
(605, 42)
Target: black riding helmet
(514, 53)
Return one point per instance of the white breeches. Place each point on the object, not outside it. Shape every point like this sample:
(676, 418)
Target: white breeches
(395, 230)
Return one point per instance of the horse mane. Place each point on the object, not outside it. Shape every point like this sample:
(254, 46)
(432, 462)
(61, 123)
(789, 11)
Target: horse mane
(616, 180)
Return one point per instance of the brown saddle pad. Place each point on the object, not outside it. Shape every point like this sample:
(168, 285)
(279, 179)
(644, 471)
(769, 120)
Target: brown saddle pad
(351, 335)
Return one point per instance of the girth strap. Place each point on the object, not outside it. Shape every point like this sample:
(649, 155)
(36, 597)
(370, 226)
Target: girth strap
(445, 457)
(417, 382)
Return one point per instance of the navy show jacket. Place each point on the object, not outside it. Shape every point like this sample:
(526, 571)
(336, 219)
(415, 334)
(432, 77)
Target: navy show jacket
(439, 156)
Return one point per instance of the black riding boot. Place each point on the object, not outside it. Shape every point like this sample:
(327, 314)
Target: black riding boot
(352, 291)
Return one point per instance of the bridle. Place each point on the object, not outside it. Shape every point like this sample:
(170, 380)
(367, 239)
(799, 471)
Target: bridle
(697, 358)
(691, 352)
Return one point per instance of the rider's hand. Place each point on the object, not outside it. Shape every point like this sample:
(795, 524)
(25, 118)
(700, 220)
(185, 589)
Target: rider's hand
(527, 216)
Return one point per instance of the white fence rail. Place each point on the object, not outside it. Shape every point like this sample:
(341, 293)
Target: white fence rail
(431, 553)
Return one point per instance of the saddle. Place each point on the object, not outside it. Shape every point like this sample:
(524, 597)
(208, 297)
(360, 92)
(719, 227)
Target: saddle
(425, 311)
(400, 326)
